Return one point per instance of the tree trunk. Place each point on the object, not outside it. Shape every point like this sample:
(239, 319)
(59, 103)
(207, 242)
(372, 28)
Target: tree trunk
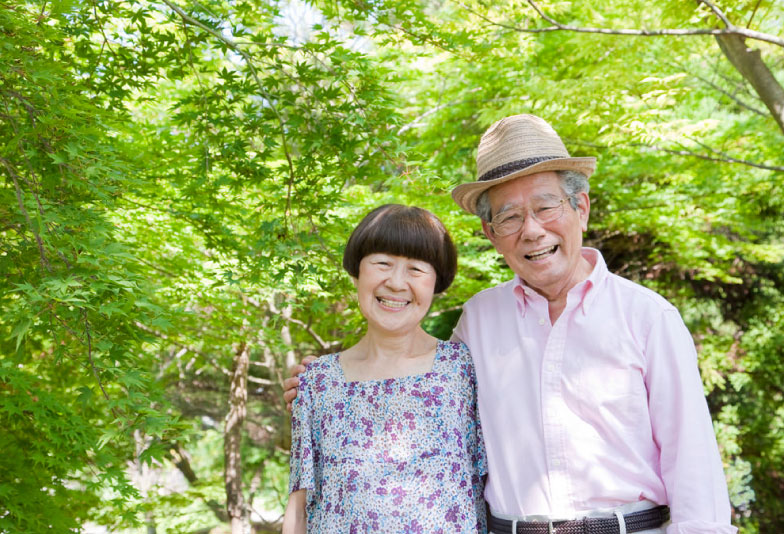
(145, 478)
(232, 441)
(749, 63)
(179, 457)
(285, 336)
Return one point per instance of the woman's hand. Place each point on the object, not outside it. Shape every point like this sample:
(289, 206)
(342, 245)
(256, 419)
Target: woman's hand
(291, 384)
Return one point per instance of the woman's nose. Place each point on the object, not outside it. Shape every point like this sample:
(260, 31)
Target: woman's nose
(397, 278)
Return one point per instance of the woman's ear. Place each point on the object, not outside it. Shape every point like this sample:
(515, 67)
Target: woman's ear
(354, 281)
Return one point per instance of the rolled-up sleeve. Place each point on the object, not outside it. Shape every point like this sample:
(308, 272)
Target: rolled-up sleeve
(691, 466)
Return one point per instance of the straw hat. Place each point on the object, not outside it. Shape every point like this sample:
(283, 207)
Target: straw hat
(513, 147)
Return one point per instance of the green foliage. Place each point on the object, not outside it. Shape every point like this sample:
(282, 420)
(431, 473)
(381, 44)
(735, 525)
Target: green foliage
(73, 385)
(179, 179)
(42, 441)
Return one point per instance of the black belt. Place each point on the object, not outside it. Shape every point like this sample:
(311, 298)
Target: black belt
(635, 522)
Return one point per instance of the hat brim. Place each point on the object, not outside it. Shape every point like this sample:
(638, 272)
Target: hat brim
(466, 195)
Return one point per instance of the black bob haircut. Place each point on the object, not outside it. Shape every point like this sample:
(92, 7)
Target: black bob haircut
(403, 231)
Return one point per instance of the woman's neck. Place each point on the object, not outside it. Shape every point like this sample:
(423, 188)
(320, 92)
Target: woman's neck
(385, 345)
(381, 355)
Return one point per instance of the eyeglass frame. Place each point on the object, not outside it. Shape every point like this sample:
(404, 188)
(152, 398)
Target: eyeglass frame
(529, 210)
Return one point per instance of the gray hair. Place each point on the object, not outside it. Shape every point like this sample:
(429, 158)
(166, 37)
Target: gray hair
(572, 183)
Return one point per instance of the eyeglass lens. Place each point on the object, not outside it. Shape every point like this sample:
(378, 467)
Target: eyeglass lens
(512, 221)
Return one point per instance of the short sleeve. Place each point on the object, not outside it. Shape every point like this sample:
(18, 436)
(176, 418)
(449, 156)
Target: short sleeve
(302, 442)
(475, 439)
(480, 461)
(475, 444)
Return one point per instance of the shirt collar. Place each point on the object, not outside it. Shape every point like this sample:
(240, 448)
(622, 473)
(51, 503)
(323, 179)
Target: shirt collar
(586, 288)
(522, 293)
(582, 291)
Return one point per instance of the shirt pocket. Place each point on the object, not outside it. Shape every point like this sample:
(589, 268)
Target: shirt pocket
(610, 398)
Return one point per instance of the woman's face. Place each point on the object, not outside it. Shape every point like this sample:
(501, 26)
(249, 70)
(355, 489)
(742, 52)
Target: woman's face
(394, 292)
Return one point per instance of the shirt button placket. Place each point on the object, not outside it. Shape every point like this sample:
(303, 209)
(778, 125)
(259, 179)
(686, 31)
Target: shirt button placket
(554, 430)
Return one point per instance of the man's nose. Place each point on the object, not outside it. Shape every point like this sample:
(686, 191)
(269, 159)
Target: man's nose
(532, 229)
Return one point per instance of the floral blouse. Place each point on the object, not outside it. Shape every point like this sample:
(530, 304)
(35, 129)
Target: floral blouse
(401, 455)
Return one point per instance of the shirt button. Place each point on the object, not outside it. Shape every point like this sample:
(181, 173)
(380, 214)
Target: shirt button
(550, 367)
(541, 321)
(556, 462)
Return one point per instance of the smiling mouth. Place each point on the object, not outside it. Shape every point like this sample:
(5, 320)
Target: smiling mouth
(392, 303)
(542, 253)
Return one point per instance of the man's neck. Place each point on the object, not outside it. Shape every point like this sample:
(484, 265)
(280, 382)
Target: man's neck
(557, 296)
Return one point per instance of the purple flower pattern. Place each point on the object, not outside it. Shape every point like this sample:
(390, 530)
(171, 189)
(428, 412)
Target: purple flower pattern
(401, 455)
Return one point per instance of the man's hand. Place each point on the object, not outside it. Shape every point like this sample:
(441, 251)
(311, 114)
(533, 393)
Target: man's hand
(291, 384)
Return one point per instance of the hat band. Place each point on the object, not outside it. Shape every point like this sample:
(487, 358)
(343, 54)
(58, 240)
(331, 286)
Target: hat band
(513, 166)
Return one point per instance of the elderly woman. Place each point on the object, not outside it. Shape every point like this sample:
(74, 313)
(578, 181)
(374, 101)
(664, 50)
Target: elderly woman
(385, 435)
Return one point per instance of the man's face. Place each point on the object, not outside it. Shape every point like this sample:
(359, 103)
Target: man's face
(545, 255)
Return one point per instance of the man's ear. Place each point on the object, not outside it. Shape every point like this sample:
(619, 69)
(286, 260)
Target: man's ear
(583, 209)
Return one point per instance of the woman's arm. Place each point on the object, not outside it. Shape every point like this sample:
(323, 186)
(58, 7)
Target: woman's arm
(294, 520)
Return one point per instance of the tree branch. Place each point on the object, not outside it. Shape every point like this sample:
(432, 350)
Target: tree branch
(750, 65)
(719, 13)
(88, 337)
(41, 14)
(307, 328)
(157, 268)
(729, 95)
(181, 461)
(212, 360)
(105, 39)
(141, 326)
(234, 46)
(323, 344)
(414, 123)
(721, 157)
(354, 97)
(557, 26)
(269, 45)
(756, 7)
(41, 251)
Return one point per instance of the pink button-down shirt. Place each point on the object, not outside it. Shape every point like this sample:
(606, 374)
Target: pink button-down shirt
(602, 408)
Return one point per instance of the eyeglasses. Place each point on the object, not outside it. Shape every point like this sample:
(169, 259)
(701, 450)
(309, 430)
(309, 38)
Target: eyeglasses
(511, 221)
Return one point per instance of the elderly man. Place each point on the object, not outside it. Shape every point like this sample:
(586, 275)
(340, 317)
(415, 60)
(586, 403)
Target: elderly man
(590, 398)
